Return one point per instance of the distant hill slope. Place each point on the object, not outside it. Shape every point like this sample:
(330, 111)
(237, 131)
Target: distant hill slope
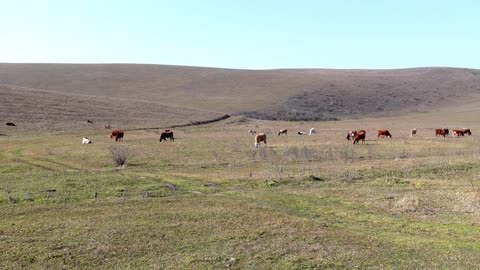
(320, 94)
(38, 109)
(360, 93)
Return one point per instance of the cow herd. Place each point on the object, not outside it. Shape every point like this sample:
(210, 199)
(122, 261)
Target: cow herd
(455, 132)
(118, 134)
(262, 137)
(359, 136)
(356, 136)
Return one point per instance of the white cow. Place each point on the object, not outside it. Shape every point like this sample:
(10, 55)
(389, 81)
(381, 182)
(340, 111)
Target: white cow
(86, 140)
(313, 131)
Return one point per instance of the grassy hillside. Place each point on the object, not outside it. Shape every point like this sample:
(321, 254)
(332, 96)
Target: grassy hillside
(210, 200)
(317, 94)
(356, 94)
(46, 110)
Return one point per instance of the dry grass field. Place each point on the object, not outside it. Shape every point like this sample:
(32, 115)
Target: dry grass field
(210, 200)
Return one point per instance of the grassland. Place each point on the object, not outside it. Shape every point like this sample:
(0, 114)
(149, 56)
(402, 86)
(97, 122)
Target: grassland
(210, 200)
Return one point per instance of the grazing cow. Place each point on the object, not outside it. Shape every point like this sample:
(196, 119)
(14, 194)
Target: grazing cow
(11, 124)
(313, 131)
(467, 131)
(384, 133)
(108, 127)
(446, 131)
(167, 134)
(90, 121)
(440, 132)
(351, 134)
(261, 137)
(301, 133)
(118, 134)
(252, 132)
(282, 131)
(413, 133)
(86, 140)
(360, 135)
(457, 132)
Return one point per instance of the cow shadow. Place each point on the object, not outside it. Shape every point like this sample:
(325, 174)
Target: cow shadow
(137, 164)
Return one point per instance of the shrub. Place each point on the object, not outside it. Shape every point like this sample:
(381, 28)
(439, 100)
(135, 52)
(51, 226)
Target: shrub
(119, 154)
(408, 203)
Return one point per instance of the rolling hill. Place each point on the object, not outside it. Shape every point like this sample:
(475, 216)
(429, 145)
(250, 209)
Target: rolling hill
(40, 109)
(147, 93)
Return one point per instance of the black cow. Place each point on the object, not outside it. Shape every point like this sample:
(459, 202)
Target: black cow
(168, 134)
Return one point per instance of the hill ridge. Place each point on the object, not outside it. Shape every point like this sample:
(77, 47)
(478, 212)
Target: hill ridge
(287, 94)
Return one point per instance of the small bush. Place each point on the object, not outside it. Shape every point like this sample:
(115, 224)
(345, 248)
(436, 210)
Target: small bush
(119, 155)
(408, 203)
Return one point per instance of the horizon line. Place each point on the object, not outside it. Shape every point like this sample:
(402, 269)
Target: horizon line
(229, 68)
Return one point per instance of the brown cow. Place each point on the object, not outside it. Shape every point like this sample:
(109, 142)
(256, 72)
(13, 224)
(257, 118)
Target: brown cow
(261, 137)
(282, 131)
(118, 134)
(384, 133)
(361, 134)
(457, 132)
(440, 132)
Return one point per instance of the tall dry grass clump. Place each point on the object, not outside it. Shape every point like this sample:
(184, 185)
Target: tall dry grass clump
(119, 155)
(408, 203)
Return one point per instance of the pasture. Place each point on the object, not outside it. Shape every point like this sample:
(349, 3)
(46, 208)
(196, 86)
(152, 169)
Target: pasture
(211, 200)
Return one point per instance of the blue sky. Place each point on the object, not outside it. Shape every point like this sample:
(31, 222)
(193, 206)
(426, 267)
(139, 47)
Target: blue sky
(243, 34)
